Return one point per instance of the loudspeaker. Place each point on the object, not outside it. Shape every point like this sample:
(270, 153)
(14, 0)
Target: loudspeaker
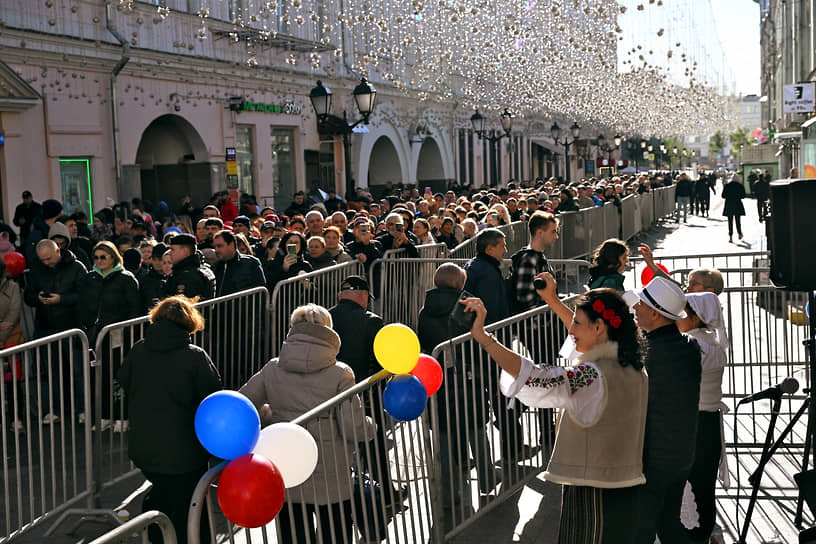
(790, 230)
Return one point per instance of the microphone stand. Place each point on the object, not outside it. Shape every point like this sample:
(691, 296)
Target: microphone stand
(767, 451)
(810, 348)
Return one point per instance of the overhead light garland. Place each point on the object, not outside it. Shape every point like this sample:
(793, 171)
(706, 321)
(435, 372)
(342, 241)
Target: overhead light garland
(608, 66)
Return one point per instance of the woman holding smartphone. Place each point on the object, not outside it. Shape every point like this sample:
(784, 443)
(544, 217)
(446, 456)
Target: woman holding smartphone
(289, 260)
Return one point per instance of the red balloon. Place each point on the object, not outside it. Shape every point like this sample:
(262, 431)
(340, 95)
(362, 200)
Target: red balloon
(429, 372)
(15, 263)
(647, 274)
(251, 491)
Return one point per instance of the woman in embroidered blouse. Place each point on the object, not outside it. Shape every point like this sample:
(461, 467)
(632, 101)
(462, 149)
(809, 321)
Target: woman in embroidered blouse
(599, 444)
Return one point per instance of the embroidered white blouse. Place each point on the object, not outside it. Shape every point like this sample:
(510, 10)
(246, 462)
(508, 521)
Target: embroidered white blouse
(579, 389)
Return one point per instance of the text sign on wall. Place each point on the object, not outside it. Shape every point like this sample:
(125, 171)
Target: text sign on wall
(799, 98)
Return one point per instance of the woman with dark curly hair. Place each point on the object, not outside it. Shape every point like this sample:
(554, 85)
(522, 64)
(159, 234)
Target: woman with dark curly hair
(598, 453)
(610, 259)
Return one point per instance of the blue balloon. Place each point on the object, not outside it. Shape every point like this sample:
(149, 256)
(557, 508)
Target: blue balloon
(404, 397)
(227, 424)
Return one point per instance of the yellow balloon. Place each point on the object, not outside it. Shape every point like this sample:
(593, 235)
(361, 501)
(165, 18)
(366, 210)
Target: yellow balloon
(397, 348)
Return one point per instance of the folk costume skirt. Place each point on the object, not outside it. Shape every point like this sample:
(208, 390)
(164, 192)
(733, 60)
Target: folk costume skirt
(591, 515)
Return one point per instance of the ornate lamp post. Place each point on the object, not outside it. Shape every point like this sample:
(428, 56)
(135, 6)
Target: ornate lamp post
(477, 121)
(364, 96)
(555, 131)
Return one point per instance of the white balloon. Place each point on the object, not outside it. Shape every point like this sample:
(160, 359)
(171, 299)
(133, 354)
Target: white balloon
(291, 448)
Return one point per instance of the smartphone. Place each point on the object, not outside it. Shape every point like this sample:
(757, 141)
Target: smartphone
(364, 228)
(427, 190)
(400, 227)
(45, 294)
(291, 249)
(459, 318)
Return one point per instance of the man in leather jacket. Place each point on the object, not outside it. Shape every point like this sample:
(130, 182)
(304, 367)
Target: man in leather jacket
(190, 277)
(234, 272)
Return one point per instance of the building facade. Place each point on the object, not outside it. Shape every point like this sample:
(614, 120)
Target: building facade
(102, 102)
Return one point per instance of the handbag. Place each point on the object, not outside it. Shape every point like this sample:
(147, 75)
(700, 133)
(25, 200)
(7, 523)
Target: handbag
(370, 516)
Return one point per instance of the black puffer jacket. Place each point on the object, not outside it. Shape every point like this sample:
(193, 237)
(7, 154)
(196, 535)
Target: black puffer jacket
(274, 272)
(107, 300)
(673, 364)
(62, 280)
(238, 274)
(191, 277)
(165, 378)
(151, 288)
(356, 328)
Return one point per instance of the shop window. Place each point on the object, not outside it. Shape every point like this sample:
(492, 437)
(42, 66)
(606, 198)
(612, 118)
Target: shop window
(245, 157)
(75, 177)
(282, 141)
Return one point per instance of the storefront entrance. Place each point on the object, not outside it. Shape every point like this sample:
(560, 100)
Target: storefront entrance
(174, 163)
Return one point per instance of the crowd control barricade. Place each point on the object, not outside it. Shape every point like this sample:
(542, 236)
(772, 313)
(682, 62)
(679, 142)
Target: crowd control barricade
(765, 347)
(740, 264)
(383, 465)
(474, 428)
(628, 217)
(432, 251)
(140, 525)
(46, 461)
(597, 234)
(574, 234)
(234, 337)
(319, 287)
(647, 210)
(516, 236)
(465, 250)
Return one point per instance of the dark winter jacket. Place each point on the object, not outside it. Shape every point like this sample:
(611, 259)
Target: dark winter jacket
(323, 261)
(274, 272)
(703, 189)
(484, 280)
(761, 188)
(673, 364)
(683, 188)
(107, 300)
(372, 251)
(62, 280)
(165, 378)
(151, 288)
(24, 217)
(192, 278)
(356, 328)
(238, 274)
(733, 193)
(39, 231)
(386, 240)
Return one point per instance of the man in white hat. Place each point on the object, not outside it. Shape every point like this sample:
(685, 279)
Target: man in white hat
(673, 364)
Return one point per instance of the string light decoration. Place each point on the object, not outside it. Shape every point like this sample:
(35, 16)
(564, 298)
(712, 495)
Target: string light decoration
(611, 67)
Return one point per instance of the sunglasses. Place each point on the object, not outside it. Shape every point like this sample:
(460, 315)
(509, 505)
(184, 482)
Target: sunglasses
(101, 257)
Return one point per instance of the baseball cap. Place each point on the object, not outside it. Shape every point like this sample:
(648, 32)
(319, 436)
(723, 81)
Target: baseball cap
(26, 194)
(268, 225)
(355, 283)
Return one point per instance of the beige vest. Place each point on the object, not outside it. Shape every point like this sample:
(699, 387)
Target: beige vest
(609, 453)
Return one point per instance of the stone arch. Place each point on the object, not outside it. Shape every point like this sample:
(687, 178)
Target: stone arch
(173, 161)
(430, 165)
(382, 139)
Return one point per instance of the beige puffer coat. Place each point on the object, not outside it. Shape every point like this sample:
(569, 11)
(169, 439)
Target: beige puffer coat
(306, 374)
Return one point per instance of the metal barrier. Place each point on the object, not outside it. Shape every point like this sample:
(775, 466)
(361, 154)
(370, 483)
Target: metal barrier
(319, 287)
(516, 237)
(46, 462)
(140, 525)
(629, 227)
(234, 337)
(470, 413)
(431, 251)
(403, 283)
(739, 263)
(393, 454)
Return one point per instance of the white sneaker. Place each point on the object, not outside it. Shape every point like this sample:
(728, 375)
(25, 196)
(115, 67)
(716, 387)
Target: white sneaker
(48, 419)
(121, 426)
(81, 418)
(106, 423)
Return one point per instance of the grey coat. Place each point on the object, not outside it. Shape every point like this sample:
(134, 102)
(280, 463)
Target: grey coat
(306, 374)
(10, 304)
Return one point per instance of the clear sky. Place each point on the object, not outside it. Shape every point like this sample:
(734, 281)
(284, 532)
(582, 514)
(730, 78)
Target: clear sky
(738, 28)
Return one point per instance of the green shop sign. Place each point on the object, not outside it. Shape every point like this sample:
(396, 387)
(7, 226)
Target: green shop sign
(290, 108)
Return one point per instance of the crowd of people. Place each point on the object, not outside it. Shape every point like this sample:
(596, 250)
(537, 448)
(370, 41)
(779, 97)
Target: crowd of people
(135, 258)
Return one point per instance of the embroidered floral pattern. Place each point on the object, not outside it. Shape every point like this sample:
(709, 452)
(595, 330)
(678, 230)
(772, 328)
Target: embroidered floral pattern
(577, 376)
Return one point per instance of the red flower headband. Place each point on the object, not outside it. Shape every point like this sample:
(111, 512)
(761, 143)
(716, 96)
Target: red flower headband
(607, 314)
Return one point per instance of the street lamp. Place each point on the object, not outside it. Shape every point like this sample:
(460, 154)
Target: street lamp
(477, 121)
(555, 131)
(608, 148)
(685, 155)
(650, 149)
(364, 95)
(663, 151)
